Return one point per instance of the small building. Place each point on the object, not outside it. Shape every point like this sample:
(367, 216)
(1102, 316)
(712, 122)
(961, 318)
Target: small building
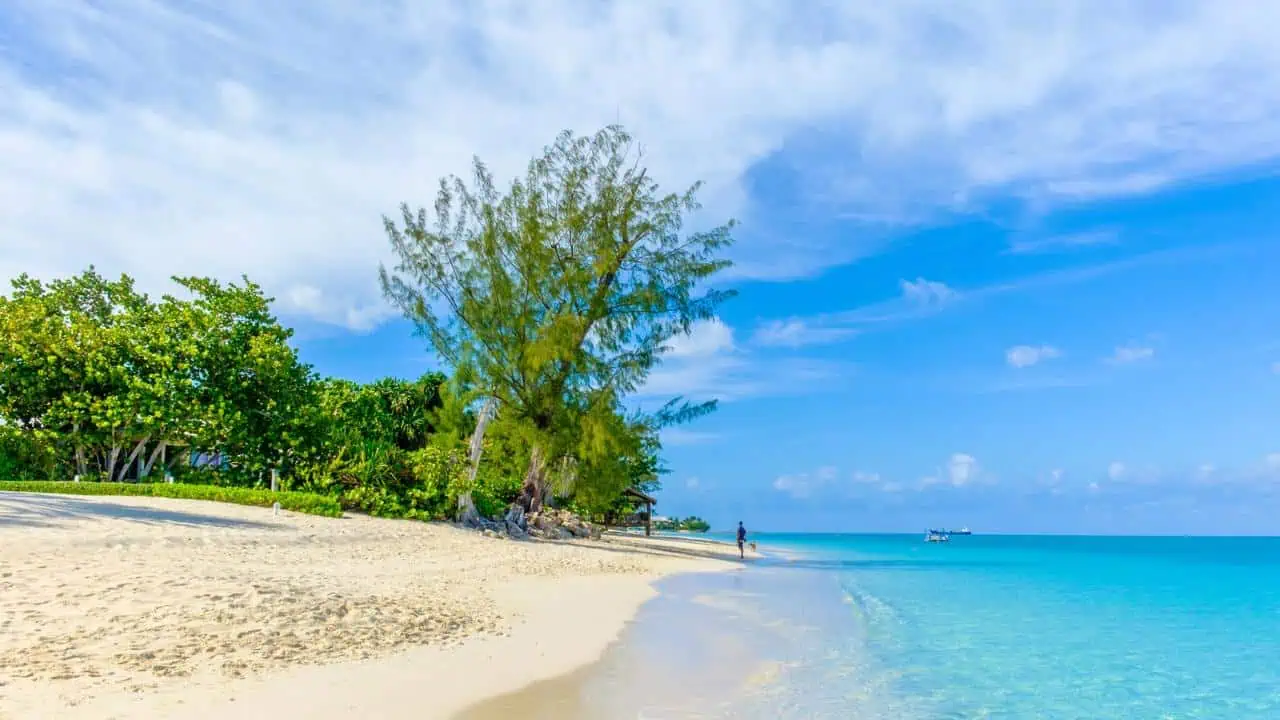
(647, 513)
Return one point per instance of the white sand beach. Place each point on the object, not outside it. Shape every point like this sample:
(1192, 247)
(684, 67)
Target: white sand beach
(154, 608)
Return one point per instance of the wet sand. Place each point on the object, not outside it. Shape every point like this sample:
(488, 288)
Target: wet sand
(709, 646)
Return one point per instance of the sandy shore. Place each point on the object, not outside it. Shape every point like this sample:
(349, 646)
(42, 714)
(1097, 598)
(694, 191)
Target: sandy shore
(156, 608)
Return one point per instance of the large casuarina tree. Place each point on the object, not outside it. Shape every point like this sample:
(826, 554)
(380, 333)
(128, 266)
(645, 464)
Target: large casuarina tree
(559, 293)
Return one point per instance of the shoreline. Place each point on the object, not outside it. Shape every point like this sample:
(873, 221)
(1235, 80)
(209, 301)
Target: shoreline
(707, 645)
(351, 615)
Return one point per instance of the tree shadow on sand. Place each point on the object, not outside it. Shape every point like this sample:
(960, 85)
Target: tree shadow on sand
(30, 510)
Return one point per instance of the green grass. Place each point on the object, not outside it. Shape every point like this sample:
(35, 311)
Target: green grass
(308, 503)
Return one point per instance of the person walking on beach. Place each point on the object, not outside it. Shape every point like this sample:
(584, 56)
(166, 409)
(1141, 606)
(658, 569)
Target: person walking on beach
(742, 540)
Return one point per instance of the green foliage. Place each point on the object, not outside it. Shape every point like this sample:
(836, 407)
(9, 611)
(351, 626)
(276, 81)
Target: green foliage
(28, 455)
(559, 295)
(390, 411)
(374, 449)
(501, 471)
(308, 503)
(118, 378)
(693, 523)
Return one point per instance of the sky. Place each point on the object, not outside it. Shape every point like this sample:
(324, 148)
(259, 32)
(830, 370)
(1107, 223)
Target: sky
(1004, 265)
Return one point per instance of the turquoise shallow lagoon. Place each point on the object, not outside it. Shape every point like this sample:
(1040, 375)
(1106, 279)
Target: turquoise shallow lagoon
(865, 626)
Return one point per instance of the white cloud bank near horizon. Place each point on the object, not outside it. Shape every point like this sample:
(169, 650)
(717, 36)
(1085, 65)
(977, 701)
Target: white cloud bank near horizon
(234, 137)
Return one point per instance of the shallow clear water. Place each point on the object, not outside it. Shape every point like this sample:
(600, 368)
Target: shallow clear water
(1064, 627)
(982, 627)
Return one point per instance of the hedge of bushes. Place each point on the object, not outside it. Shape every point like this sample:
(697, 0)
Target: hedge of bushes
(302, 502)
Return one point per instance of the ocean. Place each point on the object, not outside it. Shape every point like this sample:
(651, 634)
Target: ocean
(887, 626)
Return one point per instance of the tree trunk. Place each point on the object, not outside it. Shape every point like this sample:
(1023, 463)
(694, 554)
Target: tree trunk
(82, 468)
(145, 470)
(535, 481)
(111, 461)
(137, 450)
(467, 512)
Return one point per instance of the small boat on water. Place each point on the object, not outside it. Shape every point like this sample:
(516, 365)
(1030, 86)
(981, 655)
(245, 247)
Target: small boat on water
(936, 536)
(961, 531)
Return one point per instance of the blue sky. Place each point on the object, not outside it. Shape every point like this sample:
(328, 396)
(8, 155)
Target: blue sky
(1006, 269)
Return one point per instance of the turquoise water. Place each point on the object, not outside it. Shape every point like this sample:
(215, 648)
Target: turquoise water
(1044, 627)
(888, 627)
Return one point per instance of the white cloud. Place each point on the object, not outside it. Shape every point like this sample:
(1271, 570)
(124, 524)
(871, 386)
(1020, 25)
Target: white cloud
(797, 333)
(1129, 354)
(735, 376)
(866, 478)
(797, 486)
(692, 483)
(1116, 470)
(1061, 243)
(163, 138)
(704, 339)
(927, 292)
(707, 363)
(703, 364)
(962, 469)
(1022, 356)
(804, 485)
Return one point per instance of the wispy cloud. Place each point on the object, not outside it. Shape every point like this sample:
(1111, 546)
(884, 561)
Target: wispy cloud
(160, 137)
(1023, 356)
(927, 293)
(1062, 243)
(1132, 353)
(922, 298)
(708, 363)
(961, 470)
(796, 332)
(805, 485)
(866, 478)
(1116, 470)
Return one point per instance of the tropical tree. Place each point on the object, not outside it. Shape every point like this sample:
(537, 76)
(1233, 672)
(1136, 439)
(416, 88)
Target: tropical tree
(257, 398)
(112, 378)
(73, 362)
(559, 294)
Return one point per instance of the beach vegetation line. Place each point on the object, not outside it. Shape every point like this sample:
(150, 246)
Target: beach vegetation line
(308, 503)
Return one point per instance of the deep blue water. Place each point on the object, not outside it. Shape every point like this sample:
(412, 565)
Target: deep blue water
(1050, 627)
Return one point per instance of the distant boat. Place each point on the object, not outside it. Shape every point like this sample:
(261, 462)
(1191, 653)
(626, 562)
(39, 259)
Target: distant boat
(961, 531)
(935, 536)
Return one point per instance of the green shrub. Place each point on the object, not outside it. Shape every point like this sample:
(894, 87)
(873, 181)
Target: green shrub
(495, 491)
(308, 503)
(26, 455)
